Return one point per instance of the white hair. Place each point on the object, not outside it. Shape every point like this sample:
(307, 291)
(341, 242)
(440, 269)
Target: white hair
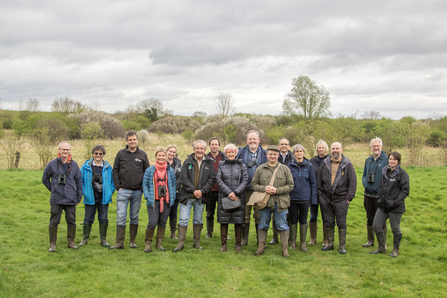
(377, 139)
(199, 142)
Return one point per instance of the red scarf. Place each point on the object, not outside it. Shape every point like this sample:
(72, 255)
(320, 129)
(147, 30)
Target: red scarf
(69, 159)
(161, 173)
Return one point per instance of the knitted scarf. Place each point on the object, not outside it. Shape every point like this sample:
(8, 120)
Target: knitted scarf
(160, 178)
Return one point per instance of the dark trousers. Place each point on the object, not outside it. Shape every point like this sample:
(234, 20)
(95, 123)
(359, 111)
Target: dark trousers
(298, 211)
(313, 213)
(334, 211)
(174, 210)
(380, 221)
(211, 205)
(90, 211)
(157, 218)
(370, 204)
(256, 215)
(56, 213)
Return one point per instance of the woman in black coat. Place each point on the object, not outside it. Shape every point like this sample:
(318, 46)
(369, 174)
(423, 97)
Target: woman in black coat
(232, 178)
(394, 188)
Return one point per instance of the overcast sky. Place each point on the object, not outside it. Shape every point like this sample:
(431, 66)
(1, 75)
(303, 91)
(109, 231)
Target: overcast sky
(386, 56)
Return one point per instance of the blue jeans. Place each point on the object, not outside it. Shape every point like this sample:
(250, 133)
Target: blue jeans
(122, 201)
(185, 213)
(279, 217)
(90, 211)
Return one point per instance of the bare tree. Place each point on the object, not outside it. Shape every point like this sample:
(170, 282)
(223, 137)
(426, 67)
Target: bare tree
(307, 99)
(435, 116)
(225, 104)
(66, 105)
(371, 115)
(32, 105)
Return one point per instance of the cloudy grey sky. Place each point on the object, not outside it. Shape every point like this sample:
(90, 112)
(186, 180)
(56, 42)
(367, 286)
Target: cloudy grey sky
(387, 56)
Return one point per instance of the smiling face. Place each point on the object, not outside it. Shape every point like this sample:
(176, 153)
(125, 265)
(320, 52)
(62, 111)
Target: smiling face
(393, 162)
(64, 151)
(336, 150)
(272, 156)
(97, 156)
(214, 147)
(171, 153)
(376, 149)
(161, 157)
(321, 150)
(253, 141)
(132, 142)
(199, 150)
(231, 154)
(284, 146)
(299, 154)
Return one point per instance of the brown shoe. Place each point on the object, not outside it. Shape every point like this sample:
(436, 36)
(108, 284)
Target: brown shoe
(303, 235)
(370, 233)
(223, 236)
(120, 235)
(148, 240)
(293, 233)
(238, 237)
(160, 236)
(133, 231)
(330, 239)
(262, 236)
(173, 225)
(313, 232)
(71, 234)
(181, 238)
(197, 229)
(284, 235)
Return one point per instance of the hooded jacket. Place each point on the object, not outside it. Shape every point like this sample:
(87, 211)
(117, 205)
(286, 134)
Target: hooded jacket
(244, 154)
(69, 193)
(231, 177)
(304, 182)
(345, 184)
(373, 166)
(108, 188)
(394, 188)
(206, 180)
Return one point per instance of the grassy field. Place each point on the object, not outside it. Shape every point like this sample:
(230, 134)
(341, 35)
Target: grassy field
(28, 270)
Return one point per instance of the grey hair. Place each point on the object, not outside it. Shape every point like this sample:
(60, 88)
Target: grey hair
(254, 131)
(63, 142)
(376, 139)
(326, 147)
(199, 142)
(230, 147)
(298, 146)
(99, 148)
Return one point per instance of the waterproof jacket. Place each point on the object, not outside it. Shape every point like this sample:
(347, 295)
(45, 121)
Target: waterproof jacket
(108, 187)
(304, 182)
(315, 161)
(69, 193)
(206, 180)
(216, 165)
(394, 188)
(231, 177)
(244, 154)
(345, 183)
(373, 166)
(289, 158)
(177, 169)
(129, 168)
(149, 189)
(283, 184)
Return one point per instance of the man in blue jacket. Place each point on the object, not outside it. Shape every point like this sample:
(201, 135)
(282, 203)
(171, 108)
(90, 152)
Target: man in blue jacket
(62, 178)
(372, 172)
(253, 156)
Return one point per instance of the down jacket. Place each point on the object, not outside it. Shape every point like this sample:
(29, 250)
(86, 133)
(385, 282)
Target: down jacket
(206, 180)
(108, 188)
(394, 188)
(305, 182)
(345, 184)
(148, 186)
(231, 177)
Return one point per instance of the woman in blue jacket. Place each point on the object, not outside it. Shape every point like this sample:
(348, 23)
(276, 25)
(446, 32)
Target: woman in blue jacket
(304, 194)
(159, 186)
(97, 189)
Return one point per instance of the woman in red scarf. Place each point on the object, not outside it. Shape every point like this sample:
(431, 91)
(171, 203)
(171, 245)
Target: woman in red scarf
(159, 191)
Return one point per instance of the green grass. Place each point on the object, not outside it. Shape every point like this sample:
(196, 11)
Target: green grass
(28, 270)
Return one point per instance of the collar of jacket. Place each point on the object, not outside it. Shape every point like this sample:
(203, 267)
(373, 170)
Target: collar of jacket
(127, 149)
(393, 173)
(382, 155)
(227, 161)
(210, 155)
(343, 163)
(89, 162)
(294, 163)
(191, 158)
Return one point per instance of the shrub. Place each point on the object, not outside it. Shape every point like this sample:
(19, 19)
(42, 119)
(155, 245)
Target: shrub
(436, 138)
(174, 125)
(11, 144)
(111, 127)
(143, 138)
(188, 134)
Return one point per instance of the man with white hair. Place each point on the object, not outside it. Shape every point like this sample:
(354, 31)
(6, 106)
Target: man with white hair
(372, 172)
(337, 184)
(196, 180)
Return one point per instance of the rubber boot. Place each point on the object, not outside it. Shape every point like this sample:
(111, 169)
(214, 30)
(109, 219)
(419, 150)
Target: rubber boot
(396, 244)
(313, 232)
(209, 227)
(197, 229)
(293, 234)
(303, 235)
(148, 240)
(181, 238)
(238, 237)
(71, 234)
(133, 231)
(223, 236)
(173, 224)
(330, 239)
(275, 233)
(160, 236)
(245, 233)
(257, 239)
(370, 241)
(342, 241)
(284, 235)
(103, 233)
(262, 236)
(86, 229)
(52, 231)
(325, 241)
(120, 235)
(381, 241)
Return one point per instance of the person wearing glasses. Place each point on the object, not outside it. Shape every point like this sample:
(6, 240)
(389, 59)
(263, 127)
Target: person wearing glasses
(97, 189)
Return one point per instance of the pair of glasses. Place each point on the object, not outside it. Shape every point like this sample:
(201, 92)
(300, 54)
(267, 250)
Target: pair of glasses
(98, 153)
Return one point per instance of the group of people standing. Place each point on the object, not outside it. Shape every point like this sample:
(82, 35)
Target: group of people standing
(291, 183)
